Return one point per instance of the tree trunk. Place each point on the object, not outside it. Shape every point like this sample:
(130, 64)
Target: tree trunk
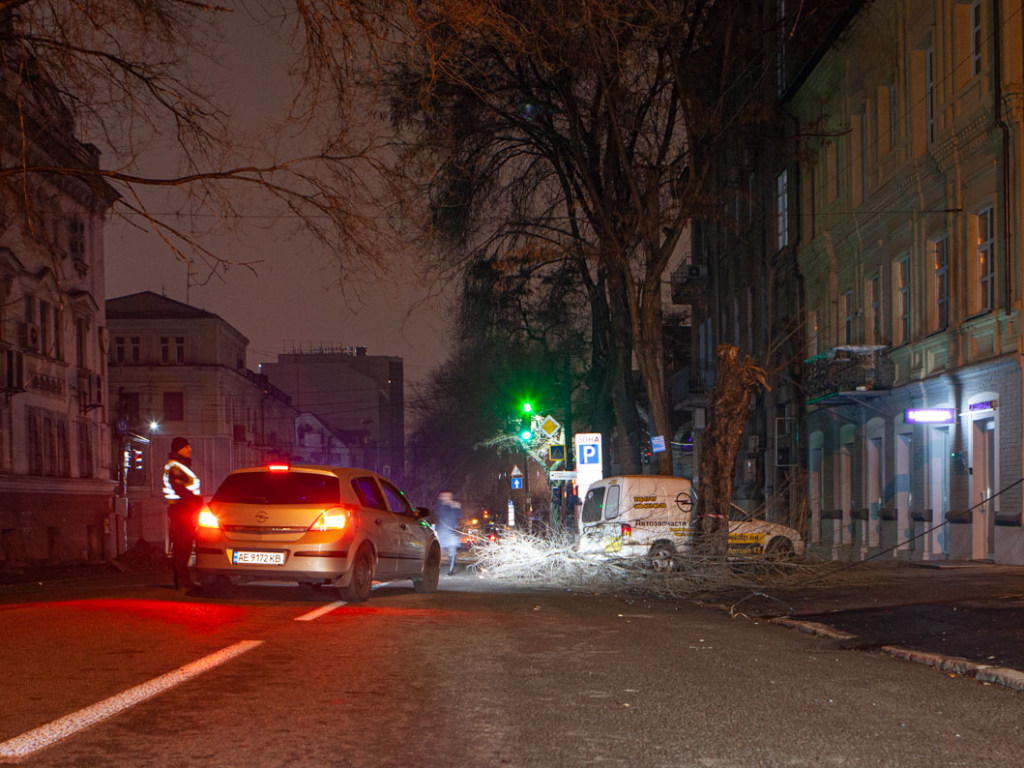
(730, 402)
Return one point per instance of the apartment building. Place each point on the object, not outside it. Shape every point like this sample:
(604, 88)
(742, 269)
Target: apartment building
(905, 197)
(360, 397)
(56, 491)
(175, 369)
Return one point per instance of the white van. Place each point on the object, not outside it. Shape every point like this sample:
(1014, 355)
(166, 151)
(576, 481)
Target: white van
(653, 516)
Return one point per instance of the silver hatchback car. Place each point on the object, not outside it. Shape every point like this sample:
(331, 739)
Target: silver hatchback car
(315, 525)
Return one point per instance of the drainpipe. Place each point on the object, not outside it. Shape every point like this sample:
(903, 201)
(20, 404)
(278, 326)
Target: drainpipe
(997, 76)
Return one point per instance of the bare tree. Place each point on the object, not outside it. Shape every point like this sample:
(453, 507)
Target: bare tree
(129, 76)
(586, 125)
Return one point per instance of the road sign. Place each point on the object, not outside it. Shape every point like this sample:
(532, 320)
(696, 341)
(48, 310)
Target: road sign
(516, 471)
(517, 483)
(549, 426)
(556, 453)
(658, 444)
(560, 475)
(589, 465)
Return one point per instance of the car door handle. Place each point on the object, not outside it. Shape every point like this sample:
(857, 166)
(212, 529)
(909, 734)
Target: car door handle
(378, 521)
(402, 526)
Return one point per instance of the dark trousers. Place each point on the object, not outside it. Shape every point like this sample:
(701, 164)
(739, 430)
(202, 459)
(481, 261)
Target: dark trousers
(181, 522)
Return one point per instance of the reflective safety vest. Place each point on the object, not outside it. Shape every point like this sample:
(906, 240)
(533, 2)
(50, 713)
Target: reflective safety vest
(186, 479)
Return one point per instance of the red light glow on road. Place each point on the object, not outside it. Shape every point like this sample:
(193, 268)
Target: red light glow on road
(203, 618)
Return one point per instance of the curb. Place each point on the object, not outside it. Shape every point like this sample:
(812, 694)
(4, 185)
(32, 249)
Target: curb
(984, 673)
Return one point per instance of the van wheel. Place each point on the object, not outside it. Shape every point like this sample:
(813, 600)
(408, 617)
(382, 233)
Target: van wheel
(778, 549)
(358, 589)
(661, 556)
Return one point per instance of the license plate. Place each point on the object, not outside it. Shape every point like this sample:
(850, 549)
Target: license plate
(245, 557)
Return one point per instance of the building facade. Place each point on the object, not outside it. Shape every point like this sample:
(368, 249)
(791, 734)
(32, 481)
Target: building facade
(176, 370)
(360, 397)
(56, 491)
(906, 201)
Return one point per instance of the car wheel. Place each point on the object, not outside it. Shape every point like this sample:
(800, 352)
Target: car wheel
(779, 549)
(358, 589)
(661, 556)
(427, 582)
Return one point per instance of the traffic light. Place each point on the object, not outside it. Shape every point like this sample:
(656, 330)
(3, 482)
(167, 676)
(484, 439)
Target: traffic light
(526, 429)
(526, 421)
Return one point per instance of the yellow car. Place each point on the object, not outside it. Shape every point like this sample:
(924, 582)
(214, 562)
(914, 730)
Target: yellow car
(315, 525)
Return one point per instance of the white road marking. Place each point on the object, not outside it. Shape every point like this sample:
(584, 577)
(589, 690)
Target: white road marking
(57, 730)
(321, 611)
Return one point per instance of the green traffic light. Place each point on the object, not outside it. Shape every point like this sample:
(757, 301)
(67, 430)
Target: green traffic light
(526, 434)
(527, 407)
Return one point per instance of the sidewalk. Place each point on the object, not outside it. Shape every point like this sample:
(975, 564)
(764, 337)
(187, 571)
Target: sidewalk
(962, 617)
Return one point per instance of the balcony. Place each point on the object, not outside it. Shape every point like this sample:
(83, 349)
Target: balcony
(848, 370)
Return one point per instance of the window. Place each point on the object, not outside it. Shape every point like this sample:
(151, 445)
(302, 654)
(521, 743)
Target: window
(593, 505)
(782, 210)
(875, 288)
(986, 257)
(76, 238)
(172, 350)
(846, 317)
(976, 37)
(277, 488)
(929, 91)
(940, 262)
(48, 450)
(837, 166)
(893, 118)
(81, 336)
(397, 501)
(135, 349)
(368, 493)
(863, 158)
(119, 349)
(780, 52)
(85, 468)
(128, 406)
(44, 328)
(174, 406)
(903, 300)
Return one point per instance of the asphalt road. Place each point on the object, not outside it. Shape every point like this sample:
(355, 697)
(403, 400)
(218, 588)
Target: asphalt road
(478, 674)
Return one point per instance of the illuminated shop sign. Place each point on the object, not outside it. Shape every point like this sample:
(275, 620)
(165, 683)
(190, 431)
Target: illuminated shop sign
(930, 415)
(985, 405)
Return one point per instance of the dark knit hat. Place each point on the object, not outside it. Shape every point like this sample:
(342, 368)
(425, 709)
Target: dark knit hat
(178, 443)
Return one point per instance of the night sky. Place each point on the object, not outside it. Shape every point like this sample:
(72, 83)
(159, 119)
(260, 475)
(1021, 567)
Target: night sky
(296, 298)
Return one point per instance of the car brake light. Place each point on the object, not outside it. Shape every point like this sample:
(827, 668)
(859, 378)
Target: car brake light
(207, 519)
(626, 530)
(333, 519)
(278, 467)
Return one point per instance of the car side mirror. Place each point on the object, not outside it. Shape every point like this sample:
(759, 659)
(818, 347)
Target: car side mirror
(422, 512)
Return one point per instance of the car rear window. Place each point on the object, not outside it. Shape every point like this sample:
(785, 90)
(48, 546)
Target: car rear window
(279, 488)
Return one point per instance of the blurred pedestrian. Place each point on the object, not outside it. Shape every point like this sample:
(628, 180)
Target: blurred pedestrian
(181, 491)
(449, 516)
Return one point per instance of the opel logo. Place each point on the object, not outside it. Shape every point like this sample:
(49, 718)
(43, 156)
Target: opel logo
(262, 516)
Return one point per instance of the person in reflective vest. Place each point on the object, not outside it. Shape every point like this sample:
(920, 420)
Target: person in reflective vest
(181, 491)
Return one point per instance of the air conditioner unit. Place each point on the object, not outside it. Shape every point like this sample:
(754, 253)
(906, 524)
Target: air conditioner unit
(696, 271)
(28, 336)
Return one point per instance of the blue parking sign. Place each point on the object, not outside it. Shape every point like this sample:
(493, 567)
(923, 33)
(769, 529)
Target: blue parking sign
(589, 453)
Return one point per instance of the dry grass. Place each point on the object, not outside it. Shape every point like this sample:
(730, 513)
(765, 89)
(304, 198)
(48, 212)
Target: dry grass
(552, 562)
